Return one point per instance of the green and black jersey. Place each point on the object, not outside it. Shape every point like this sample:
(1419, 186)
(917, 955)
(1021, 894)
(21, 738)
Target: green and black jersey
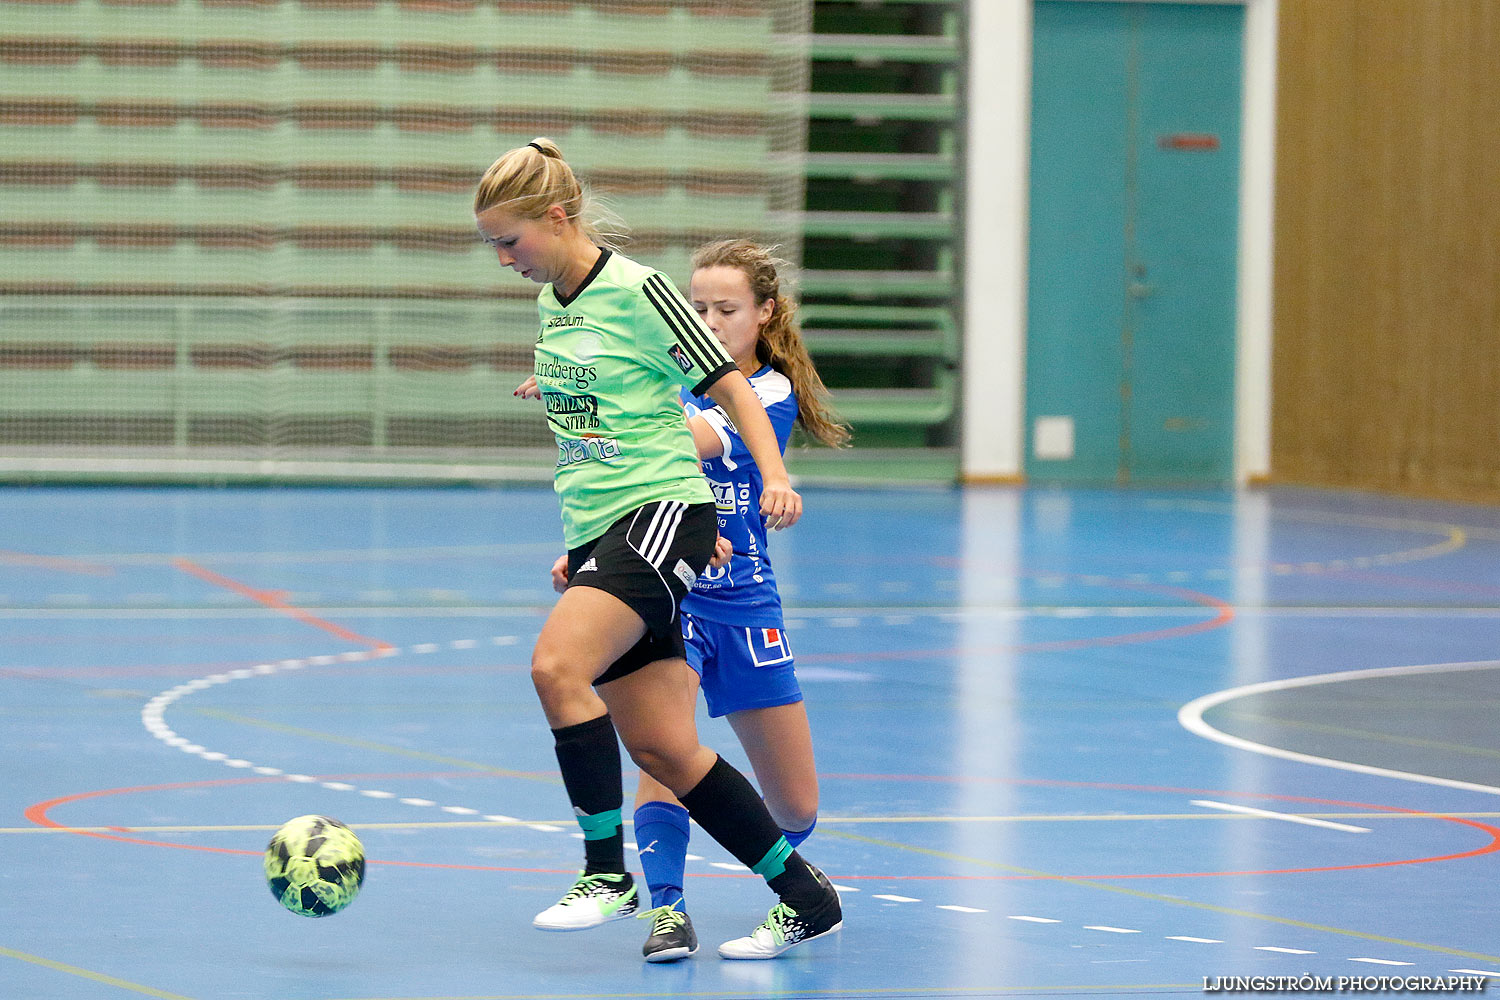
(609, 361)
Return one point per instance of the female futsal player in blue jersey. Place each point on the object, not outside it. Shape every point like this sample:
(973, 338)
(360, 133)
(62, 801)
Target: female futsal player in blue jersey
(731, 620)
(615, 343)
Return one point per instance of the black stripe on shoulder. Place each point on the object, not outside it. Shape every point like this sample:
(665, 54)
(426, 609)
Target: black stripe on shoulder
(704, 351)
(696, 340)
(713, 377)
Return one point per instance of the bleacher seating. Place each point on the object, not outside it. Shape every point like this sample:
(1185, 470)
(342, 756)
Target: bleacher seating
(242, 226)
(882, 231)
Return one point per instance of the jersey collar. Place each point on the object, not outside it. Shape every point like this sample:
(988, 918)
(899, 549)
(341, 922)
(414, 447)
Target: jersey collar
(587, 280)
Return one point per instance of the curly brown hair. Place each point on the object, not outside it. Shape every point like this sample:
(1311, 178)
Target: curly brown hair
(779, 342)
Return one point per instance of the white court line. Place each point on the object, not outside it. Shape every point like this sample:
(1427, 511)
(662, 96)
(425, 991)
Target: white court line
(1190, 717)
(1193, 940)
(960, 909)
(1268, 814)
(1380, 961)
(1283, 951)
(1475, 972)
(1036, 920)
(896, 899)
(1109, 930)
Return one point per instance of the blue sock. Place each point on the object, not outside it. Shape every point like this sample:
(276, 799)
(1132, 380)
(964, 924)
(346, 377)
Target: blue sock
(661, 835)
(796, 839)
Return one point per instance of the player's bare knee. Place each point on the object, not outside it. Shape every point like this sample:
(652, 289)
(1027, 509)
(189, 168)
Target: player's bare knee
(797, 812)
(649, 760)
(551, 678)
(661, 762)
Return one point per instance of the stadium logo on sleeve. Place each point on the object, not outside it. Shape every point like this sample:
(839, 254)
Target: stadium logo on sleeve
(680, 356)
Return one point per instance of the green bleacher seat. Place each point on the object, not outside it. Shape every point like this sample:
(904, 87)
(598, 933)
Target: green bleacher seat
(880, 287)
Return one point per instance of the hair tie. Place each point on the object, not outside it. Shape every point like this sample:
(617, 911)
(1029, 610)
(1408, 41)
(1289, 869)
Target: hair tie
(539, 149)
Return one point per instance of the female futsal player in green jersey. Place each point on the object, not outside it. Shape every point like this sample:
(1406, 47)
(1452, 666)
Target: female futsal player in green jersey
(616, 341)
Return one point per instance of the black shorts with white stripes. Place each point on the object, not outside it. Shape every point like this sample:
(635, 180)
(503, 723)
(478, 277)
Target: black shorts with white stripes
(649, 559)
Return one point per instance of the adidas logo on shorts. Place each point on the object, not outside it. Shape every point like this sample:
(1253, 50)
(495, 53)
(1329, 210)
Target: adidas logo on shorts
(588, 567)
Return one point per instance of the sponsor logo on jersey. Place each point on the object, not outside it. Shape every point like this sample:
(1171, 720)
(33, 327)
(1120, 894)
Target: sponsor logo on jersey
(685, 573)
(680, 356)
(723, 497)
(587, 348)
(571, 451)
(560, 402)
(572, 413)
(559, 373)
(557, 321)
(713, 578)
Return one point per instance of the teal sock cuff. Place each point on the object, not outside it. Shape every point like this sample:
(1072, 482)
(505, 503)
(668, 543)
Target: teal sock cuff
(600, 825)
(774, 863)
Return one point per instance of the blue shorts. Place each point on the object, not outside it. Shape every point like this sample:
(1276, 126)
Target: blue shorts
(740, 667)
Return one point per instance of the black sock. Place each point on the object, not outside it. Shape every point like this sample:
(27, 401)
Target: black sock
(589, 756)
(726, 805)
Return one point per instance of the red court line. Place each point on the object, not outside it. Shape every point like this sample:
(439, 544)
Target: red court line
(39, 814)
(276, 599)
(1492, 847)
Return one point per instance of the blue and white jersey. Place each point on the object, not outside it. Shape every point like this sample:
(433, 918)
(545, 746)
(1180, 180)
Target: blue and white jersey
(743, 592)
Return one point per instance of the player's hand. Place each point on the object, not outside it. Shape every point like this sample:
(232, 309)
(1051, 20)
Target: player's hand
(723, 551)
(780, 505)
(560, 573)
(528, 389)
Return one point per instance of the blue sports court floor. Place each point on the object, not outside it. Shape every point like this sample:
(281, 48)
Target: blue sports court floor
(1072, 743)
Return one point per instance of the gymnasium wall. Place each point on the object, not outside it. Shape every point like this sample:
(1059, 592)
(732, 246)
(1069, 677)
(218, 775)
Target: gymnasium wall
(1386, 368)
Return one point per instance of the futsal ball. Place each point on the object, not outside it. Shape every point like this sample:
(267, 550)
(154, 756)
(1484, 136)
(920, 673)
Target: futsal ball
(315, 866)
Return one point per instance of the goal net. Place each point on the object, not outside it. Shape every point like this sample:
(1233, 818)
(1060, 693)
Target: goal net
(236, 236)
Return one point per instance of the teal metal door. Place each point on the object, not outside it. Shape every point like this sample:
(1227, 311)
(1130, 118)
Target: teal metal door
(1134, 201)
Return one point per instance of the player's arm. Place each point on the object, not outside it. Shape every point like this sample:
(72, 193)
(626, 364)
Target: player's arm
(705, 438)
(778, 501)
(680, 344)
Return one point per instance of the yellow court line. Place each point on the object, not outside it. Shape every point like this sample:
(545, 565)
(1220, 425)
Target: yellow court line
(1171, 900)
(1366, 734)
(550, 778)
(822, 821)
(97, 977)
(1110, 989)
(1457, 535)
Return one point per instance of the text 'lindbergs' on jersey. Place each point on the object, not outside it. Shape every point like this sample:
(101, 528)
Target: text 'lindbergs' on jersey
(557, 373)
